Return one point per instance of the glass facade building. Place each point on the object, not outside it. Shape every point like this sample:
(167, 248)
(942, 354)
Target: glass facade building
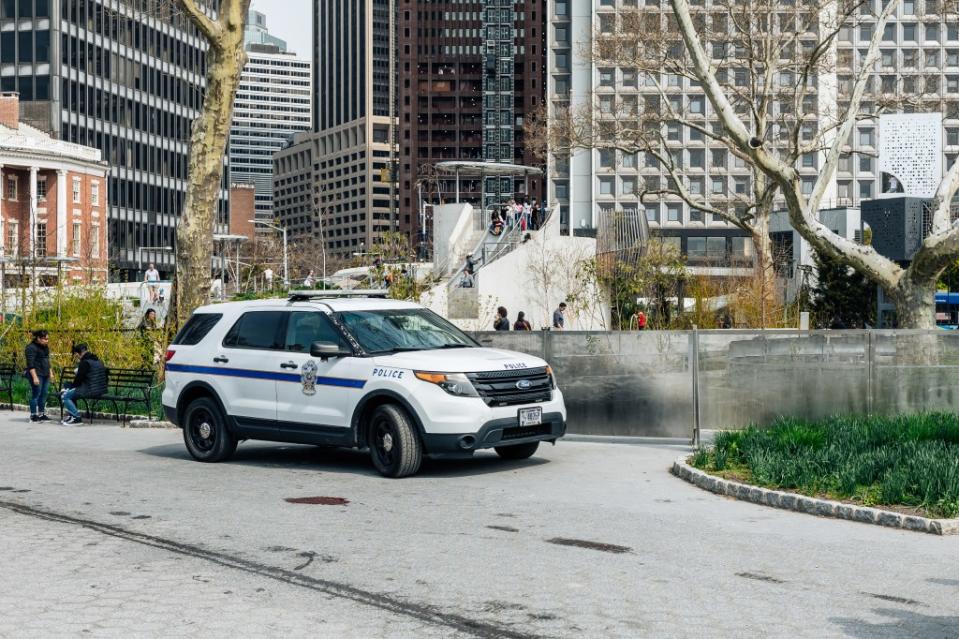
(125, 77)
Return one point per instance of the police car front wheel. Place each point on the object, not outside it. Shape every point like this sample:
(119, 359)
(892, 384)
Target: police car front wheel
(395, 447)
(205, 433)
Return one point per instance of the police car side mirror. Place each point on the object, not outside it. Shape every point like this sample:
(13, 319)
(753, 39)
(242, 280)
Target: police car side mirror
(328, 350)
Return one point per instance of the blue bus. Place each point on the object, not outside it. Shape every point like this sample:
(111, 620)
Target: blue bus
(947, 310)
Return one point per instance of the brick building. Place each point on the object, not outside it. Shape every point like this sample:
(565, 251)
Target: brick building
(470, 72)
(53, 209)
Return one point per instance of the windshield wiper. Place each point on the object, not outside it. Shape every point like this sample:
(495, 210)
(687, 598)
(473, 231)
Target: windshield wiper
(399, 349)
(455, 346)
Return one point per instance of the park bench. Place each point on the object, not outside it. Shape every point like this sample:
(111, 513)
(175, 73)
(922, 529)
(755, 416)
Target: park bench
(125, 387)
(8, 376)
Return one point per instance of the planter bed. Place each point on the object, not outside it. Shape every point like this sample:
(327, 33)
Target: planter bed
(897, 471)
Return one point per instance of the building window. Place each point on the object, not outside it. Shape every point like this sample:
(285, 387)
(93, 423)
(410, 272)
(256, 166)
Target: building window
(95, 240)
(11, 188)
(696, 246)
(76, 190)
(95, 194)
(76, 239)
(672, 212)
(13, 237)
(652, 212)
(42, 188)
(40, 245)
(606, 186)
(607, 77)
(865, 190)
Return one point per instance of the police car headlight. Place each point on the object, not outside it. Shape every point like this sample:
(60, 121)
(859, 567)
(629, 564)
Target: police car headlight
(453, 383)
(552, 377)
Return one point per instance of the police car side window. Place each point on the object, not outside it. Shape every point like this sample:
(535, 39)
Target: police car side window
(259, 330)
(304, 328)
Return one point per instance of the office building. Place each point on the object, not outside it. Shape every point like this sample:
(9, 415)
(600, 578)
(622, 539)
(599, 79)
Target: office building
(469, 73)
(350, 149)
(919, 57)
(123, 77)
(273, 102)
(257, 33)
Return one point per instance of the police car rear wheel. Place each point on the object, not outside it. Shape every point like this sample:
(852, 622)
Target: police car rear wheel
(519, 451)
(205, 433)
(394, 445)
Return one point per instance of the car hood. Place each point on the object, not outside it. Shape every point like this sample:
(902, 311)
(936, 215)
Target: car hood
(460, 360)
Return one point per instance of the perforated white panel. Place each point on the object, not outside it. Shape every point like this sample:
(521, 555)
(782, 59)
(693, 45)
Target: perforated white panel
(910, 150)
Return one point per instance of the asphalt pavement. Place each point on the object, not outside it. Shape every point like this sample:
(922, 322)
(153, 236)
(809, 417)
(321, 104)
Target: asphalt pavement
(117, 532)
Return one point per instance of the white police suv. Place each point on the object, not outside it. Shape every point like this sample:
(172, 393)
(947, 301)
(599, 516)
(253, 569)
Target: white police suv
(359, 372)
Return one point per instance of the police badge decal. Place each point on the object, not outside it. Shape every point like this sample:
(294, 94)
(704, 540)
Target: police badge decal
(308, 377)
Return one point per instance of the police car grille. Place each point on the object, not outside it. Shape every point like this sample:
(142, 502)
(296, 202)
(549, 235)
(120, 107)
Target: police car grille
(499, 388)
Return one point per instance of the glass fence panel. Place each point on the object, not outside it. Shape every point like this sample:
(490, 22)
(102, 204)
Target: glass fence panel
(754, 377)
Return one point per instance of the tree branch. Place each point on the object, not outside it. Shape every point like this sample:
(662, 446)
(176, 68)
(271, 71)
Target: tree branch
(209, 28)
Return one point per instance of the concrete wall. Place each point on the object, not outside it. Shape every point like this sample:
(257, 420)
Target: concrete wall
(534, 278)
(452, 231)
(641, 383)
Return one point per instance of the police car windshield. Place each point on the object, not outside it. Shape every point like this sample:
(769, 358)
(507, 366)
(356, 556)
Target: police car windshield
(410, 329)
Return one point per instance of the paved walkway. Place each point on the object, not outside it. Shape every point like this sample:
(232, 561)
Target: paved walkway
(113, 532)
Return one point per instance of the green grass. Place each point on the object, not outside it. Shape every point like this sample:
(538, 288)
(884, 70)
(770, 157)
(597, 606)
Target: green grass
(908, 460)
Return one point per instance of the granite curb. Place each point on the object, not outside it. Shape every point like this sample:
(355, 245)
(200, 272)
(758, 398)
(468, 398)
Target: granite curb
(149, 423)
(811, 505)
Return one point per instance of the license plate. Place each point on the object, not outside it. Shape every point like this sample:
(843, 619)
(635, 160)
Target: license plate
(530, 416)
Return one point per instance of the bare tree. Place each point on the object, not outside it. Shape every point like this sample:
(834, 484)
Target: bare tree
(912, 288)
(225, 60)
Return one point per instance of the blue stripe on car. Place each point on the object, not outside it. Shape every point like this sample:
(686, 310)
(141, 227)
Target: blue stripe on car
(342, 382)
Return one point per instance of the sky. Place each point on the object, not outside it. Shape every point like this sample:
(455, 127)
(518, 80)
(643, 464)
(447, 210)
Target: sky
(290, 20)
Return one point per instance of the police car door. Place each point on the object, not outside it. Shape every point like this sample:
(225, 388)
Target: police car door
(317, 401)
(247, 365)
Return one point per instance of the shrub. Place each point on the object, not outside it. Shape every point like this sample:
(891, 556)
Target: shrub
(909, 460)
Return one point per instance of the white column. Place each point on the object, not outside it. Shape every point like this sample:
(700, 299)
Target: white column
(61, 213)
(33, 211)
(3, 237)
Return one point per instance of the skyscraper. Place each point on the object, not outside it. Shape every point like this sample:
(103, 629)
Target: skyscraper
(273, 102)
(351, 147)
(470, 72)
(125, 77)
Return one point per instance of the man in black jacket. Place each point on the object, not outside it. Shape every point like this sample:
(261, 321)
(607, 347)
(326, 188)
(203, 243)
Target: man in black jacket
(89, 382)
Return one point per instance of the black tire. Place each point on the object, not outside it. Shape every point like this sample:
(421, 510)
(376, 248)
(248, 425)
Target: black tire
(395, 448)
(518, 451)
(205, 433)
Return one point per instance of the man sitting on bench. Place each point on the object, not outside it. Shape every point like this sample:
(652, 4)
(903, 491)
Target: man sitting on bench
(89, 382)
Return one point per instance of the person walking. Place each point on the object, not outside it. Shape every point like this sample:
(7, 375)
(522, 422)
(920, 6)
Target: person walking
(535, 216)
(527, 216)
(89, 382)
(37, 373)
(501, 323)
(522, 324)
(152, 280)
(559, 317)
(308, 282)
(268, 276)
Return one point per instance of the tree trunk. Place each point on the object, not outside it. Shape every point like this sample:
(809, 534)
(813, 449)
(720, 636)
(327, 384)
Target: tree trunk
(915, 303)
(194, 251)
